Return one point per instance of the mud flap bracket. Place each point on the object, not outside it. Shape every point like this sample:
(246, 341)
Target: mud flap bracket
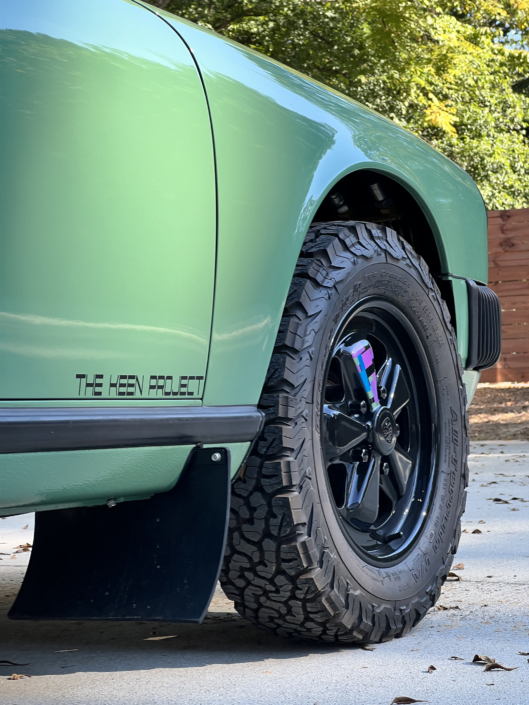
(156, 559)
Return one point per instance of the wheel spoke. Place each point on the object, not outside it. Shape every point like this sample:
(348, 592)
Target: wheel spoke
(362, 498)
(384, 373)
(342, 433)
(362, 354)
(399, 394)
(401, 465)
(349, 372)
(387, 486)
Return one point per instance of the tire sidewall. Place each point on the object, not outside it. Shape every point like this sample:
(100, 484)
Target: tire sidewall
(403, 285)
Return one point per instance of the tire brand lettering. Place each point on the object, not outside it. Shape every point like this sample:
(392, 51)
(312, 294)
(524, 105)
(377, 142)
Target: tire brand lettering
(423, 313)
(420, 572)
(449, 480)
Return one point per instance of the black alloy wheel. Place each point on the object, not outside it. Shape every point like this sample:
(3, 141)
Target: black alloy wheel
(379, 431)
(346, 515)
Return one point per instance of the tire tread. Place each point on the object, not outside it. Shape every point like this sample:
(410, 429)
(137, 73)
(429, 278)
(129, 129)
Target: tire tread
(279, 569)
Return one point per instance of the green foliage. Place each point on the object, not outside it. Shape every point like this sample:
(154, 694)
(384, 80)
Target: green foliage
(444, 69)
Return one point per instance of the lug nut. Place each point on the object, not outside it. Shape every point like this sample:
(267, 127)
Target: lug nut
(385, 469)
(397, 430)
(216, 457)
(382, 392)
(360, 455)
(111, 503)
(357, 407)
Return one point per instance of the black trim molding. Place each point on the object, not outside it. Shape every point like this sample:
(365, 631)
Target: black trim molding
(30, 430)
(484, 329)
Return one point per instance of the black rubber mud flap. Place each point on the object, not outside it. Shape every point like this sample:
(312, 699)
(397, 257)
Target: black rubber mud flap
(157, 559)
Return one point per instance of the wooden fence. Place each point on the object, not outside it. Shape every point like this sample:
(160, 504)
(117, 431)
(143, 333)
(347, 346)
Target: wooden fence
(509, 278)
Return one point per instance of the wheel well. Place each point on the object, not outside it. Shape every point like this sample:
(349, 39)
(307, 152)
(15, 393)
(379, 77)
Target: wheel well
(377, 198)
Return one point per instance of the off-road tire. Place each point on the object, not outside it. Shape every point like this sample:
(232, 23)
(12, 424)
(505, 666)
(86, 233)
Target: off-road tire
(284, 568)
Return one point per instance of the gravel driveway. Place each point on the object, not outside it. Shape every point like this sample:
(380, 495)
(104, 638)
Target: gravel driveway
(229, 662)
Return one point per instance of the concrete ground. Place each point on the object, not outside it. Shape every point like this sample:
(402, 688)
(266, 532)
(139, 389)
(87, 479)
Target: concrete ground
(227, 661)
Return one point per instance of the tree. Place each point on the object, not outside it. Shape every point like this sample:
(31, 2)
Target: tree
(456, 73)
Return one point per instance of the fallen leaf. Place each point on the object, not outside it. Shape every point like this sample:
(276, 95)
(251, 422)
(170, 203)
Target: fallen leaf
(65, 651)
(25, 527)
(13, 556)
(442, 608)
(498, 500)
(368, 647)
(489, 576)
(498, 667)
(18, 676)
(5, 662)
(523, 653)
(159, 638)
(515, 509)
(477, 531)
(454, 576)
(464, 531)
(459, 566)
(403, 700)
(456, 658)
(26, 546)
(431, 669)
(481, 521)
(4, 554)
(482, 659)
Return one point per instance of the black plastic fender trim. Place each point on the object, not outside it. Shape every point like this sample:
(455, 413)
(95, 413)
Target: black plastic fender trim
(31, 430)
(484, 334)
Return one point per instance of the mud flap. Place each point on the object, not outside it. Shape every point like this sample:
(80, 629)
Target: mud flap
(157, 559)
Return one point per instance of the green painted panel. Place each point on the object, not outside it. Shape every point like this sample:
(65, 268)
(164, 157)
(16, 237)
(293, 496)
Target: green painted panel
(107, 205)
(40, 480)
(281, 142)
(43, 481)
(459, 289)
(471, 380)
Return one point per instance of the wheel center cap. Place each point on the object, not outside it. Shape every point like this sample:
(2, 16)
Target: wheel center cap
(384, 430)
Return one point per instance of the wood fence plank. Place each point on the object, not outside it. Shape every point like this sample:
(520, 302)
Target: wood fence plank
(514, 331)
(518, 288)
(509, 318)
(508, 273)
(518, 243)
(509, 259)
(505, 229)
(497, 374)
(514, 345)
(518, 302)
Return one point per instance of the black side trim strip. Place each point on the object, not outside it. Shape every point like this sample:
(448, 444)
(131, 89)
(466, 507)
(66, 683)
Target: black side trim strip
(36, 430)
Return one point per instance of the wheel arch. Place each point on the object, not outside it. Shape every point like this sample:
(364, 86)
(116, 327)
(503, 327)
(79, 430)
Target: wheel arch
(377, 194)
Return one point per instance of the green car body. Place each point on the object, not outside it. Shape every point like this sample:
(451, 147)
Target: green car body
(157, 184)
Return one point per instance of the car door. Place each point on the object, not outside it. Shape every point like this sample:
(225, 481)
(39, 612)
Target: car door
(107, 207)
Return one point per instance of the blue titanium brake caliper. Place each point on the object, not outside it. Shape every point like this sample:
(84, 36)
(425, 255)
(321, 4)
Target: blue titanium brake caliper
(362, 354)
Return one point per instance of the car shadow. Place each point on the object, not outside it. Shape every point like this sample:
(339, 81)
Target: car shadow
(224, 638)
